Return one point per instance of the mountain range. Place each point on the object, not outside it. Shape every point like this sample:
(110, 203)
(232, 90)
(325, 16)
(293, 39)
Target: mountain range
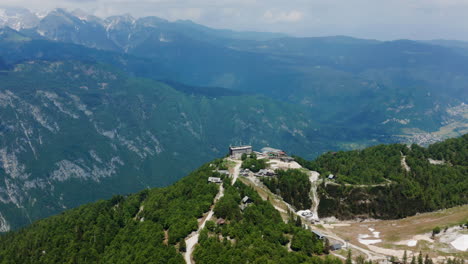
(94, 107)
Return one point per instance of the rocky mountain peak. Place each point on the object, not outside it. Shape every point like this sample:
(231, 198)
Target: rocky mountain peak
(17, 18)
(151, 21)
(118, 21)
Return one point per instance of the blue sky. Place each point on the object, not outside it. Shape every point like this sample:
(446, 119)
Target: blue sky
(376, 19)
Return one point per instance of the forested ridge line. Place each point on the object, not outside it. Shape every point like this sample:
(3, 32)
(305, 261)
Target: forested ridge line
(150, 227)
(436, 179)
(124, 229)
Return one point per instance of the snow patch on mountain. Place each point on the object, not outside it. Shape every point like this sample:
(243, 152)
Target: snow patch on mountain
(17, 18)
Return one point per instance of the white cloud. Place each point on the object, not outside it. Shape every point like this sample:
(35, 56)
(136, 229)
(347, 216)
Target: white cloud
(185, 13)
(276, 17)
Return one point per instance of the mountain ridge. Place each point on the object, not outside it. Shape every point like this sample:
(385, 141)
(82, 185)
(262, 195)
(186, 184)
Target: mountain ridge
(136, 132)
(308, 95)
(230, 220)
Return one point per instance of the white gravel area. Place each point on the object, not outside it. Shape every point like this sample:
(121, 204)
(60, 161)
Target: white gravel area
(363, 239)
(278, 164)
(461, 243)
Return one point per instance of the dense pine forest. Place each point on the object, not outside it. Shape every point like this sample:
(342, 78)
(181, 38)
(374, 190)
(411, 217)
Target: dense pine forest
(150, 227)
(293, 185)
(393, 181)
(127, 229)
(256, 234)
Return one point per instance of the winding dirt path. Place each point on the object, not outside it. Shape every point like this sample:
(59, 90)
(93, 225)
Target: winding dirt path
(314, 177)
(192, 239)
(403, 162)
(235, 174)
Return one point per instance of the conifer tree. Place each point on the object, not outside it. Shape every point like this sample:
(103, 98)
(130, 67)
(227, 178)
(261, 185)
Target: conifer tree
(349, 259)
(420, 258)
(182, 246)
(298, 222)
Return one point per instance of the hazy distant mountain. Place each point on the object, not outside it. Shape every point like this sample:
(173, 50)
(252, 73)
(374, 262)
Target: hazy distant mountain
(60, 25)
(449, 43)
(92, 107)
(17, 18)
(80, 27)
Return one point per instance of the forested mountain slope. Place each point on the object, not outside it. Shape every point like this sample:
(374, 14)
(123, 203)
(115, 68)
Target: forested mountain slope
(150, 227)
(77, 124)
(72, 133)
(393, 181)
(238, 225)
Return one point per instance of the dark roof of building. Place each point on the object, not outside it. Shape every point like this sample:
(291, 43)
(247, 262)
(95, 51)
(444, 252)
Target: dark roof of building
(336, 246)
(317, 233)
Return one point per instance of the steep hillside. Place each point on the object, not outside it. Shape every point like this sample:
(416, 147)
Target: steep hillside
(73, 112)
(404, 88)
(151, 227)
(393, 181)
(195, 221)
(71, 133)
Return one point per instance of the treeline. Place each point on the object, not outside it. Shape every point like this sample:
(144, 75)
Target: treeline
(256, 234)
(425, 187)
(140, 228)
(454, 151)
(293, 185)
(150, 227)
(368, 166)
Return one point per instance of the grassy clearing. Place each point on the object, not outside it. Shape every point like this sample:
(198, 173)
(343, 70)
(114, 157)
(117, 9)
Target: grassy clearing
(403, 229)
(393, 231)
(228, 163)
